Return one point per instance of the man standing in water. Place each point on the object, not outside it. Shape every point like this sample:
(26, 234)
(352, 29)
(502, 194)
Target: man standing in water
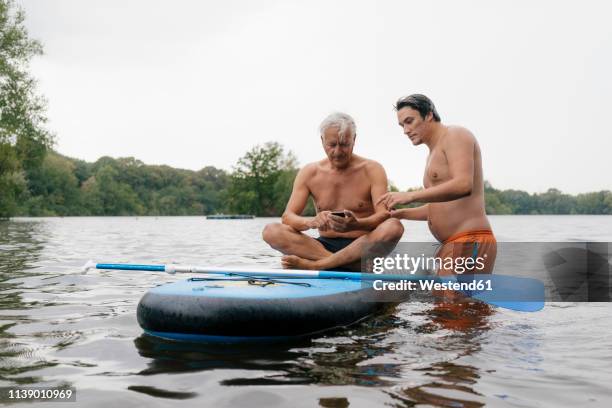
(454, 186)
(344, 188)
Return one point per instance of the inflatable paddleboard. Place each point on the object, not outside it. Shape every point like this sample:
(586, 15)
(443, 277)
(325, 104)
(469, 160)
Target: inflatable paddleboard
(250, 309)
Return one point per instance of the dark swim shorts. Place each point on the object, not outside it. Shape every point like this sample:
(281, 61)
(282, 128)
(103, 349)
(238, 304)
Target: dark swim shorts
(335, 244)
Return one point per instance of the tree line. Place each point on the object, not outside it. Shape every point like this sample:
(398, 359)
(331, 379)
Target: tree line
(552, 201)
(260, 184)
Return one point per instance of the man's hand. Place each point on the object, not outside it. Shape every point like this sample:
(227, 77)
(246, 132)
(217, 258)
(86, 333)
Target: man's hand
(321, 221)
(399, 214)
(343, 224)
(390, 200)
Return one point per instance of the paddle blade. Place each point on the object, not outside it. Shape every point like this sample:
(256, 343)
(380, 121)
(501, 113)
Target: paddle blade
(509, 292)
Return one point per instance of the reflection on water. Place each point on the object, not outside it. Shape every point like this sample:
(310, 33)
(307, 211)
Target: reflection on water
(329, 360)
(20, 245)
(61, 328)
(465, 324)
(342, 358)
(20, 248)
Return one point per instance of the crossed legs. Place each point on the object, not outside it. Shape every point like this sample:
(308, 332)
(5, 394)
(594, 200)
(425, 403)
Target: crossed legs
(304, 252)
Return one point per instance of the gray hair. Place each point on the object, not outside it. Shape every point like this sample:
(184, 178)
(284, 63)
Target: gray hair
(342, 121)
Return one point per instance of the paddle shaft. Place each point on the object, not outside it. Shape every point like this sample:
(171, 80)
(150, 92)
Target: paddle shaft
(295, 274)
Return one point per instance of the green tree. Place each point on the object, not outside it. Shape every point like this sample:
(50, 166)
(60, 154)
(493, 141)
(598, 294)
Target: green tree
(520, 202)
(259, 183)
(23, 138)
(211, 185)
(554, 201)
(494, 205)
(282, 191)
(594, 203)
(13, 185)
(103, 194)
(54, 188)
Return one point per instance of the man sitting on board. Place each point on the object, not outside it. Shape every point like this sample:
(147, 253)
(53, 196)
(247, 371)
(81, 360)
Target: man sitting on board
(344, 188)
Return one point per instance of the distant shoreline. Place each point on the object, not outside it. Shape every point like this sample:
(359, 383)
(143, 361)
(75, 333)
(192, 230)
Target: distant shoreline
(64, 186)
(203, 217)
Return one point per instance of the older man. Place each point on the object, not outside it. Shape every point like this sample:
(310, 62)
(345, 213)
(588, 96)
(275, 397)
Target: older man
(344, 188)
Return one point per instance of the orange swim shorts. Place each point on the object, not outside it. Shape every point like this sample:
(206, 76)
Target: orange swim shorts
(479, 245)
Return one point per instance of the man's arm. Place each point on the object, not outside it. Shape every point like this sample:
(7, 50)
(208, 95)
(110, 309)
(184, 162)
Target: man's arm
(420, 213)
(297, 202)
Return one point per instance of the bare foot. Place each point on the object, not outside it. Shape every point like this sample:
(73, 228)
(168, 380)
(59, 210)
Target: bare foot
(295, 262)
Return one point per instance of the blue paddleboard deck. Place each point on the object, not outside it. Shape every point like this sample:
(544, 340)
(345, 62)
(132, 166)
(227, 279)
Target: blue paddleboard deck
(237, 309)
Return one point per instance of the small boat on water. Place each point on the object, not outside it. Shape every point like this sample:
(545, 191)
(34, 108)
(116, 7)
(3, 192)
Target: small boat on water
(230, 217)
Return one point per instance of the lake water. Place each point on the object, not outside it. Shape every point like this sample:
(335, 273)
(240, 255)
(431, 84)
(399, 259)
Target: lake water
(59, 327)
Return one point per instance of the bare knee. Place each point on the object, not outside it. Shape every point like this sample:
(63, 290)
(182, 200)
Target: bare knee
(391, 230)
(272, 232)
(278, 235)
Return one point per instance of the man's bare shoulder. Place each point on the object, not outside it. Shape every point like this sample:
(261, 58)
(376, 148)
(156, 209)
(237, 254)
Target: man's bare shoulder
(373, 168)
(458, 135)
(311, 169)
(372, 165)
(461, 132)
(361, 162)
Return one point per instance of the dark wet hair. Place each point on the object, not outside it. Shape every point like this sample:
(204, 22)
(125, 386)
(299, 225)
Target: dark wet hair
(420, 103)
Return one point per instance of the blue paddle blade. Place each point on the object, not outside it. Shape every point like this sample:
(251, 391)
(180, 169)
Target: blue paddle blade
(519, 306)
(510, 292)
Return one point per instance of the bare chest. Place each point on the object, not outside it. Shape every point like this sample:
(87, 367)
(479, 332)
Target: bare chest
(350, 192)
(436, 169)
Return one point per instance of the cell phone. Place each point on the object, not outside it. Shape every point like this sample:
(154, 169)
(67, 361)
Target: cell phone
(339, 213)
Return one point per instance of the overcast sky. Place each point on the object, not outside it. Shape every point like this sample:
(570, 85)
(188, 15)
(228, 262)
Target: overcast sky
(197, 83)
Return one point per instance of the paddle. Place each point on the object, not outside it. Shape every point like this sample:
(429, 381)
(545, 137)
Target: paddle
(510, 292)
